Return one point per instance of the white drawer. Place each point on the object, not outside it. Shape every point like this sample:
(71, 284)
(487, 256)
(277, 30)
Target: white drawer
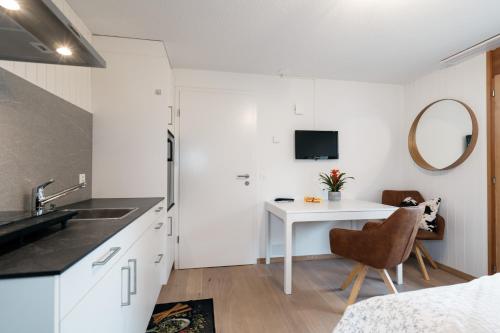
(81, 277)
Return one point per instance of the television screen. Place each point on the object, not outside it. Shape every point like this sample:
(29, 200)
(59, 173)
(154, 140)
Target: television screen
(316, 145)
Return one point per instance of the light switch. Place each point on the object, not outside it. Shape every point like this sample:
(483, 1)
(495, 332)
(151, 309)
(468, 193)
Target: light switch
(298, 110)
(276, 139)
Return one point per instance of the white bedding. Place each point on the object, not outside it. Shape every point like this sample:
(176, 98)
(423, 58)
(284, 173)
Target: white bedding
(466, 307)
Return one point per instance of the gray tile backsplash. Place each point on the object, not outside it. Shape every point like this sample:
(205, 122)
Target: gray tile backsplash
(41, 137)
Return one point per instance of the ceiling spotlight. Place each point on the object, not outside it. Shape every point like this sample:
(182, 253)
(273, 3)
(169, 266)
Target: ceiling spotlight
(64, 50)
(10, 4)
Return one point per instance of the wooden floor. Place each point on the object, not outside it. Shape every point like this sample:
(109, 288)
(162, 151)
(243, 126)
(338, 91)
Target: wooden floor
(251, 298)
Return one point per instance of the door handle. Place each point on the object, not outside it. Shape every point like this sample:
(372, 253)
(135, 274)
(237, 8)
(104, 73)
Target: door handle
(245, 176)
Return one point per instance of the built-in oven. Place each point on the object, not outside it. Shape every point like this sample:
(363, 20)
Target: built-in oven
(171, 171)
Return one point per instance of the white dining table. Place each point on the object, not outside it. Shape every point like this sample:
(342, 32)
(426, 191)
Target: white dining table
(290, 213)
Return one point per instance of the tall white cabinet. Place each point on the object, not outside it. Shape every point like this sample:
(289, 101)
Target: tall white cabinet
(132, 100)
(134, 108)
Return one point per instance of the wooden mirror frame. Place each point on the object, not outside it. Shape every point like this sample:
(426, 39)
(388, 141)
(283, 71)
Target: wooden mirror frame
(412, 139)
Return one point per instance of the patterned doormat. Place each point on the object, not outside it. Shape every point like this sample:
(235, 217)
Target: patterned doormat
(183, 317)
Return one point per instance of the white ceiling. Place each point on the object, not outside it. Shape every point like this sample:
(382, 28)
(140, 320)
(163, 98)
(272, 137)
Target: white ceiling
(390, 41)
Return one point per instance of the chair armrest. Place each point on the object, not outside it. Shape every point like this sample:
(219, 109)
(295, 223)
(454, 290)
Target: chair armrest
(440, 226)
(370, 225)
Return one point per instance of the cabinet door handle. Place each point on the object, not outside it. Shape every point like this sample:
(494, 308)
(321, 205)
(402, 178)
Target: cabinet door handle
(159, 225)
(134, 265)
(160, 257)
(170, 232)
(127, 302)
(159, 209)
(171, 122)
(112, 252)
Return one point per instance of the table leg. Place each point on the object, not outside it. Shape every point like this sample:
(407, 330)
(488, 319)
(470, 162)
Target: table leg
(287, 281)
(268, 237)
(399, 271)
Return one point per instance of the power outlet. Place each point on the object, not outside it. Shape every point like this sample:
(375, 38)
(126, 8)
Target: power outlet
(82, 178)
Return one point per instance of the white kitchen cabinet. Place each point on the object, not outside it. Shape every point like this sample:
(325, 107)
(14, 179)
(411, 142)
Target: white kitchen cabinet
(144, 283)
(118, 296)
(101, 310)
(160, 254)
(171, 242)
(78, 279)
(131, 98)
(124, 299)
(172, 112)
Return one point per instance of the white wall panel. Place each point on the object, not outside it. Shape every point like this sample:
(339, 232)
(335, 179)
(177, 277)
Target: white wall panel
(68, 82)
(462, 189)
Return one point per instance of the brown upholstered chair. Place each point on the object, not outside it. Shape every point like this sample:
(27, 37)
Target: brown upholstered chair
(394, 198)
(378, 245)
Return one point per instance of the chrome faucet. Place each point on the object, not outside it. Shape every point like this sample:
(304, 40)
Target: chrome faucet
(39, 200)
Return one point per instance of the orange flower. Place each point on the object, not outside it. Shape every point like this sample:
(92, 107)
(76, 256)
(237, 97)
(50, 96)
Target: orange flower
(334, 174)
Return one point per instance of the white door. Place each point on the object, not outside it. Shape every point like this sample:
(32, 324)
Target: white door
(217, 183)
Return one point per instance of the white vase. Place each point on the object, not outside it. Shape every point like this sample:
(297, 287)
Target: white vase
(334, 196)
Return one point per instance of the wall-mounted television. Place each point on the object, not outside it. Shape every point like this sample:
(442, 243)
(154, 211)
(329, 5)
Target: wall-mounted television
(316, 145)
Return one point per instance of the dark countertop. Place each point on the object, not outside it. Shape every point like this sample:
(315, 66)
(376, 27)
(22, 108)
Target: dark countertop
(19, 229)
(6, 217)
(59, 250)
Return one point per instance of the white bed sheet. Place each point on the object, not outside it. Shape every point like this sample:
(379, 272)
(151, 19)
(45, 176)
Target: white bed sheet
(467, 307)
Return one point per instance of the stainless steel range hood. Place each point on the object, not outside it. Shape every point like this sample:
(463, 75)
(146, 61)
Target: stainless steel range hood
(35, 29)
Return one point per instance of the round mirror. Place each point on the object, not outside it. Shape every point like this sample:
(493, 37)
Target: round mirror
(443, 135)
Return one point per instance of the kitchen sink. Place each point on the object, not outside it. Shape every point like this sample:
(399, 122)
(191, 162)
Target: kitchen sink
(101, 213)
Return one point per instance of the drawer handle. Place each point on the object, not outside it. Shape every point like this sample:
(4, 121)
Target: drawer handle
(160, 257)
(159, 226)
(112, 252)
(159, 209)
(171, 226)
(127, 302)
(134, 264)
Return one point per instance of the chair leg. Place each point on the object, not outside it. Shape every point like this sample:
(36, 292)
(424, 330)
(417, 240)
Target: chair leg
(387, 280)
(347, 282)
(421, 262)
(426, 253)
(357, 285)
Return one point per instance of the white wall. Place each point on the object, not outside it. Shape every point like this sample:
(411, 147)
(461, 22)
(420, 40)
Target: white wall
(68, 82)
(130, 118)
(367, 116)
(463, 189)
